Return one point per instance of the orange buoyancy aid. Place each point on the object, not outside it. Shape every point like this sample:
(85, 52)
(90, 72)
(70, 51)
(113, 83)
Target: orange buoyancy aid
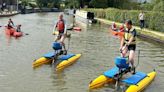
(60, 26)
(114, 25)
(122, 28)
(128, 35)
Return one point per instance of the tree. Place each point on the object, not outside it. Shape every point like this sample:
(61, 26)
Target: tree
(41, 3)
(155, 5)
(72, 3)
(146, 6)
(46, 3)
(84, 3)
(99, 3)
(76, 3)
(24, 2)
(123, 4)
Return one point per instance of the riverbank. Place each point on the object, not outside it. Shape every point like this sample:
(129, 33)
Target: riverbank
(37, 10)
(8, 14)
(144, 33)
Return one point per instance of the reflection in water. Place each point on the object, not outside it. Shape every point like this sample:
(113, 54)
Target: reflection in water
(98, 50)
(59, 81)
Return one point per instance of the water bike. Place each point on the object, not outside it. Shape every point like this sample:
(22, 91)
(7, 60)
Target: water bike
(57, 56)
(136, 82)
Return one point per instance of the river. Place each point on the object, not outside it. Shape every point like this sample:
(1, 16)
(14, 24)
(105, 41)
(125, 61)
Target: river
(97, 46)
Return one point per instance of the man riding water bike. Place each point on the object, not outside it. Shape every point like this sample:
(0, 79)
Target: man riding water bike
(128, 43)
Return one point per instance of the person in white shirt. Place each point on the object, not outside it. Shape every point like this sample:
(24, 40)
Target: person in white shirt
(142, 20)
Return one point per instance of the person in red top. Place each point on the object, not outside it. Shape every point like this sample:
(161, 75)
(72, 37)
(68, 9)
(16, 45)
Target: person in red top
(61, 28)
(122, 29)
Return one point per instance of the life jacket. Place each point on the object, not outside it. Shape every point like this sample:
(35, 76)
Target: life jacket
(60, 26)
(122, 28)
(128, 35)
(114, 25)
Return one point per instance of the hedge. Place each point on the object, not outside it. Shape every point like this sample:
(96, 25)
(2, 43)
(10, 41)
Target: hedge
(153, 20)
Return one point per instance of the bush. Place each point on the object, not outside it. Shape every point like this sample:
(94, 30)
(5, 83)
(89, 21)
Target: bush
(159, 6)
(154, 20)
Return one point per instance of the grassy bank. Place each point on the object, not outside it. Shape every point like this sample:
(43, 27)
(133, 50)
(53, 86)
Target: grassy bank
(153, 20)
(145, 31)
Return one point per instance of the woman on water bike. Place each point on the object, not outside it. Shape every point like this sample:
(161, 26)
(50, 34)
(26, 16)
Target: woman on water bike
(128, 43)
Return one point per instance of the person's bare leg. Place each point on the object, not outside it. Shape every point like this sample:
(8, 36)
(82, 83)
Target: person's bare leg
(62, 38)
(124, 51)
(63, 44)
(64, 51)
(131, 60)
(131, 57)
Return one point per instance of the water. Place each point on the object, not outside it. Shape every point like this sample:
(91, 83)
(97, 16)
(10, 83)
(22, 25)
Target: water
(98, 50)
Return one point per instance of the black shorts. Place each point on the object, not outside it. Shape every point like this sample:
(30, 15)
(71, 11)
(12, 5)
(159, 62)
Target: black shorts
(132, 47)
(60, 35)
